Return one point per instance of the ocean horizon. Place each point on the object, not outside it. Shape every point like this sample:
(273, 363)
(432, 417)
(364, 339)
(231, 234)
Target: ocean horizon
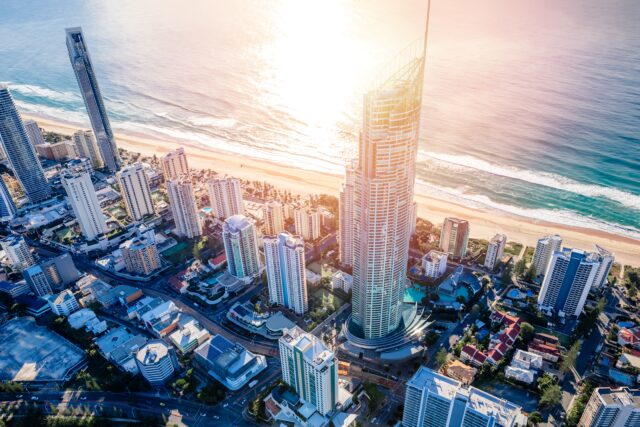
(536, 116)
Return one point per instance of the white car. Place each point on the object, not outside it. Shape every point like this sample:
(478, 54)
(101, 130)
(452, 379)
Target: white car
(34, 397)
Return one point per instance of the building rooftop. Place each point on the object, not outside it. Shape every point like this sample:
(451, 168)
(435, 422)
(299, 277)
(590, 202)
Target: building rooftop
(152, 352)
(313, 350)
(33, 353)
(434, 255)
(238, 222)
(621, 396)
(436, 383)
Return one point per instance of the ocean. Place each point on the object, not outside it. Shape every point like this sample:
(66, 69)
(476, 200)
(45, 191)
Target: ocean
(531, 108)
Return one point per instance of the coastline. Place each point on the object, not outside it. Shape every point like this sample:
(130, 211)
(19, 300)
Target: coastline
(484, 223)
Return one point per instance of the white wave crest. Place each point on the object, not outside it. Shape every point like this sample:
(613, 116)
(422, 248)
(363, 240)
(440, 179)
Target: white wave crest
(43, 92)
(540, 178)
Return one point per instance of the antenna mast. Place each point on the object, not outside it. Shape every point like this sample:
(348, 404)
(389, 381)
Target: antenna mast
(426, 32)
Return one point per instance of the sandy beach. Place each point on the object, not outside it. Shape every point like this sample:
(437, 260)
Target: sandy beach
(484, 223)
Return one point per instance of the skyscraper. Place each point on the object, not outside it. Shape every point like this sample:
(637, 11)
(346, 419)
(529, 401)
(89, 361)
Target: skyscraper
(225, 196)
(346, 216)
(545, 248)
(606, 259)
(495, 250)
(241, 246)
(566, 285)
(286, 271)
(34, 134)
(17, 250)
(307, 222)
(134, 187)
(174, 164)
(183, 207)
(21, 154)
(434, 400)
(454, 237)
(273, 217)
(609, 407)
(86, 146)
(81, 195)
(8, 209)
(310, 368)
(383, 190)
(90, 91)
(140, 255)
(37, 280)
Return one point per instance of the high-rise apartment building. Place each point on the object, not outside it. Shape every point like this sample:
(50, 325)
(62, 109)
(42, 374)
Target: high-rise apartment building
(174, 164)
(606, 259)
(86, 146)
(134, 187)
(286, 271)
(569, 278)
(8, 208)
(17, 250)
(345, 235)
(495, 251)
(34, 134)
(434, 400)
(454, 237)
(310, 368)
(140, 255)
(90, 91)
(60, 270)
(307, 222)
(383, 197)
(225, 196)
(545, 248)
(155, 362)
(183, 207)
(273, 218)
(609, 407)
(241, 246)
(20, 152)
(37, 280)
(81, 195)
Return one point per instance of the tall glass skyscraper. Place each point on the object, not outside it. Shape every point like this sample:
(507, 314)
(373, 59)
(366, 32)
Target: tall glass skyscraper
(21, 154)
(88, 83)
(383, 196)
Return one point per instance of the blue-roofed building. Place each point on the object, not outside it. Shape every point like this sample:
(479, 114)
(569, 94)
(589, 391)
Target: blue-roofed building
(14, 289)
(228, 362)
(35, 306)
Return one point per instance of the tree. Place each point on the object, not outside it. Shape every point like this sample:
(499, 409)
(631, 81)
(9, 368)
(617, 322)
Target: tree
(570, 357)
(521, 265)
(531, 273)
(551, 396)
(534, 419)
(506, 274)
(441, 357)
(526, 332)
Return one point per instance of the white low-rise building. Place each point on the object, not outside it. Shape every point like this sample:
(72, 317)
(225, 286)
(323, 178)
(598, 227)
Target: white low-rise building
(434, 264)
(526, 360)
(64, 303)
(87, 318)
(519, 374)
(155, 362)
(341, 280)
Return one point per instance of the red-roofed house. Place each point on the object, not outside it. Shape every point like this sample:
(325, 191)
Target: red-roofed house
(178, 284)
(218, 261)
(548, 352)
(495, 355)
(630, 337)
(472, 355)
(498, 317)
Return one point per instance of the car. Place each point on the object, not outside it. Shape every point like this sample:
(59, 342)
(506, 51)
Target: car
(19, 396)
(162, 404)
(225, 405)
(215, 417)
(34, 397)
(83, 398)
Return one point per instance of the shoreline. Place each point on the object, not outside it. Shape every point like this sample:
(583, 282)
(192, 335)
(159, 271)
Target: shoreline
(484, 223)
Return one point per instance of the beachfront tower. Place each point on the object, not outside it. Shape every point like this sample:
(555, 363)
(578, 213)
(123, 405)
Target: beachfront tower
(86, 146)
(306, 222)
(20, 152)
(134, 188)
(454, 237)
(174, 164)
(241, 247)
(34, 134)
(310, 367)
(286, 271)
(383, 196)
(225, 196)
(495, 251)
(545, 248)
(8, 209)
(570, 276)
(81, 195)
(273, 218)
(90, 91)
(183, 207)
(346, 216)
